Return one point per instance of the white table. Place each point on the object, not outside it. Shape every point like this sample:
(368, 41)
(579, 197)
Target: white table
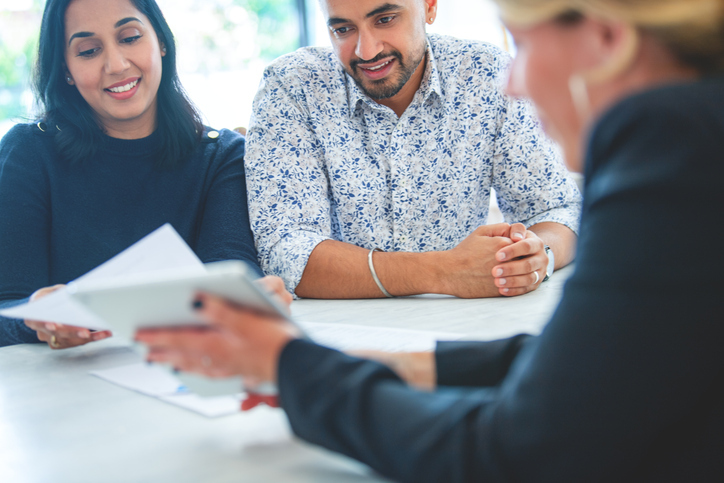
(60, 424)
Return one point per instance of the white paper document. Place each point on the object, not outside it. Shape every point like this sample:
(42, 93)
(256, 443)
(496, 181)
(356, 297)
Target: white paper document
(162, 249)
(361, 337)
(158, 382)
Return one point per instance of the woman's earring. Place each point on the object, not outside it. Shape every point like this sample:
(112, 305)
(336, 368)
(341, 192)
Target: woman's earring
(69, 79)
(579, 93)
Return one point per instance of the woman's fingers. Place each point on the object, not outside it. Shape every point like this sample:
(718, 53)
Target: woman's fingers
(59, 336)
(42, 292)
(275, 286)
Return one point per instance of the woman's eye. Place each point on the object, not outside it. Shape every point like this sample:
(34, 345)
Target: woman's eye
(88, 53)
(130, 40)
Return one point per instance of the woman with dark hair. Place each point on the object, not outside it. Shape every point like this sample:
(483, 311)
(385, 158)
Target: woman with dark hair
(118, 151)
(626, 381)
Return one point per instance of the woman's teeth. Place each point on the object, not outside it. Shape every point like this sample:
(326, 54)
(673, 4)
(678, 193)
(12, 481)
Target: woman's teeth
(125, 88)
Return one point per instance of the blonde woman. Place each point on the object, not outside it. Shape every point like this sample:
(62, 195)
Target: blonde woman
(626, 382)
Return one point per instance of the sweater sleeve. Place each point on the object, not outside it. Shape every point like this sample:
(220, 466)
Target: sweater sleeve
(225, 233)
(24, 230)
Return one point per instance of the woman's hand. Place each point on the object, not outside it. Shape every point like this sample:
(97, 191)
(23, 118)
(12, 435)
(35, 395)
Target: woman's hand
(59, 336)
(415, 368)
(275, 286)
(238, 342)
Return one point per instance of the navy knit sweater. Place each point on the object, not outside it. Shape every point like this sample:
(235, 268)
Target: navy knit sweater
(58, 219)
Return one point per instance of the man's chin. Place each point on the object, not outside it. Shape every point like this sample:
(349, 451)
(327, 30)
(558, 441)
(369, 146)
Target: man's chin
(380, 89)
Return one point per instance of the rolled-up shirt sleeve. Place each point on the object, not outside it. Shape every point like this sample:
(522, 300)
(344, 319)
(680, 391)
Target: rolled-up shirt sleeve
(287, 182)
(531, 182)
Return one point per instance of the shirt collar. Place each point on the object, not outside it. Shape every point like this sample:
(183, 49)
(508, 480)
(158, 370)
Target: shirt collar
(430, 85)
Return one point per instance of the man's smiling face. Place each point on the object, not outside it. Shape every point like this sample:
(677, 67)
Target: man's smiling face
(379, 43)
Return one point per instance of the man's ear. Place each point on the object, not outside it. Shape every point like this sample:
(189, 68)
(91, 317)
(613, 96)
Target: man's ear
(430, 11)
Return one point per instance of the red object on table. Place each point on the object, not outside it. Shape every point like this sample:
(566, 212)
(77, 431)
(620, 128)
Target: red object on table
(253, 400)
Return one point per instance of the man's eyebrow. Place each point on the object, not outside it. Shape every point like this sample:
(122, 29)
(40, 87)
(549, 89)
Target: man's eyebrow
(336, 21)
(381, 9)
(121, 22)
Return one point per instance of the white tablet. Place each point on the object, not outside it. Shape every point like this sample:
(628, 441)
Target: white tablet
(165, 298)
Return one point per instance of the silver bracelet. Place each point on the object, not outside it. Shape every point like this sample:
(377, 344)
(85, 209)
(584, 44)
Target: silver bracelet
(374, 274)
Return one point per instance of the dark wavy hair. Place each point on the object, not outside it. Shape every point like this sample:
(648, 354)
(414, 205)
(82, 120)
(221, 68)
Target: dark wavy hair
(78, 133)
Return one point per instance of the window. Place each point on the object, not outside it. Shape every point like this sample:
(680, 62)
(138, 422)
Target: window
(223, 47)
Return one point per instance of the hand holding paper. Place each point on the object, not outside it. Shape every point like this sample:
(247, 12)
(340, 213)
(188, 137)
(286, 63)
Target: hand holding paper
(63, 322)
(237, 342)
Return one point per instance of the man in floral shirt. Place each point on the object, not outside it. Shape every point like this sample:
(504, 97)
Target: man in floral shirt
(369, 165)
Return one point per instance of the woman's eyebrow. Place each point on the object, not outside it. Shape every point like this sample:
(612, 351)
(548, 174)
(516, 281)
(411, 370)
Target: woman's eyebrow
(123, 21)
(80, 35)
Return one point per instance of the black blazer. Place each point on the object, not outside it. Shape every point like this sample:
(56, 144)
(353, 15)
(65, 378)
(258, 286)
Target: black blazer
(625, 383)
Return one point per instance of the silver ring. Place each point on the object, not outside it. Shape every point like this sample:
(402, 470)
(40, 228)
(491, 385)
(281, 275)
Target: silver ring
(537, 277)
(206, 361)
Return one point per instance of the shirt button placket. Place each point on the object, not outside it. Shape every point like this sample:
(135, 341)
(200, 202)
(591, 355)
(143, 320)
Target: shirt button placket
(401, 194)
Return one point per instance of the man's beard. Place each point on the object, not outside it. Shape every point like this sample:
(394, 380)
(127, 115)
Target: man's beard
(385, 88)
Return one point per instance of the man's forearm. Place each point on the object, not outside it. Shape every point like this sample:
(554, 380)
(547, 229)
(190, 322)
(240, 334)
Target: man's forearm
(560, 238)
(338, 270)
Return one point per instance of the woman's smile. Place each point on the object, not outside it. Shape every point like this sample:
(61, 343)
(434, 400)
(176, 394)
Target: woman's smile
(124, 90)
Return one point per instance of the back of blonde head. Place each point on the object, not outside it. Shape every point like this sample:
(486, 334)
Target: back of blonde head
(693, 30)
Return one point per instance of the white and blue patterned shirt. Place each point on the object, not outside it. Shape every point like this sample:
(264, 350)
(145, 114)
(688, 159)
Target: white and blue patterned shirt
(324, 161)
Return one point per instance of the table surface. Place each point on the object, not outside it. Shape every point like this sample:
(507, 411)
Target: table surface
(60, 424)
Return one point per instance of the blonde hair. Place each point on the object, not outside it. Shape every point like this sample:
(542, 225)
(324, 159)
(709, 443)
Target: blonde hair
(693, 30)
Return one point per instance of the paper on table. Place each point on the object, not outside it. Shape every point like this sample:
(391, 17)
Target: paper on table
(156, 381)
(355, 337)
(162, 249)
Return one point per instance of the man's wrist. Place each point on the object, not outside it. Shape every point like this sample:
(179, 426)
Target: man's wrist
(410, 273)
(551, 262)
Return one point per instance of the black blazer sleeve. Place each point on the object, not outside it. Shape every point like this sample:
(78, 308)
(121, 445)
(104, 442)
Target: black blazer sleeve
(626, 382)
(466, 363)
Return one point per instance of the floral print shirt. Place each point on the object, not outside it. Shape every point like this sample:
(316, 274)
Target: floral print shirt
(324, 161)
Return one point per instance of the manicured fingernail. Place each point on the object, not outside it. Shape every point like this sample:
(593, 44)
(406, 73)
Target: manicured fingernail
(502, 281)
(518, 236)
(83, 334)
(501, 256)
(499, 272)
(198, 304)
(50, 326)
(504, 290)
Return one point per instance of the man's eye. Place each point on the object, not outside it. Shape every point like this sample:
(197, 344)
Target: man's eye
(386, 19)
(340, 30)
